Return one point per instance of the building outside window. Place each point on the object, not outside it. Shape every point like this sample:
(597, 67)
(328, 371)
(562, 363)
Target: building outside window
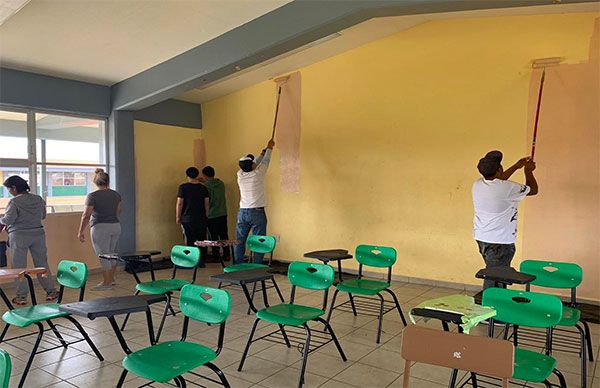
(56, 154)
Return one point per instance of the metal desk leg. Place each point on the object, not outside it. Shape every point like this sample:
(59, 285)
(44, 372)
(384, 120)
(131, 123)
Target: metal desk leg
(149, 258)
(6, 300)
(248, 297)
(264, 293)
(340, 270)
(150, 326)
(119, 335)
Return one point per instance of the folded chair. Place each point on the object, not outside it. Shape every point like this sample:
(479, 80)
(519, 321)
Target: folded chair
(530, 309)
(488, 356)
(304, 275)
(183, 257)
(551, 274)
(171, 360)
(70, 274)
(370, 256)
(5, 368)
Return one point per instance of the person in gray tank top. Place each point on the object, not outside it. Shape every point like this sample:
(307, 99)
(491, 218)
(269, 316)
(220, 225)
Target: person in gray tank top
(102, 209)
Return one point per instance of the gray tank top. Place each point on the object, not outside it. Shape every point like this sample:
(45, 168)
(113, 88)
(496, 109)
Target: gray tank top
(105, 203)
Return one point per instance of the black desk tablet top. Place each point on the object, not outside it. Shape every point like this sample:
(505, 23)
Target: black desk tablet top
(329, 254)
(246, 276)
(106, 307)
(505, 275)
(437, 314)
(138, 255)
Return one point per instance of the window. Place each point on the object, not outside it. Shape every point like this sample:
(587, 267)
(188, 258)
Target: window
(57, 154)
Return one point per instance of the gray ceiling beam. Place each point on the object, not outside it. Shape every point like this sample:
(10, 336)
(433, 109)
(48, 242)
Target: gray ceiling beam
(284, 29)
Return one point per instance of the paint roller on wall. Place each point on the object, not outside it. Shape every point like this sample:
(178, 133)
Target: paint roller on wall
(541, 63)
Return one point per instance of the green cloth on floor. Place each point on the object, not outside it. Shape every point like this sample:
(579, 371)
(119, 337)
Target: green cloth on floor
(465, 305)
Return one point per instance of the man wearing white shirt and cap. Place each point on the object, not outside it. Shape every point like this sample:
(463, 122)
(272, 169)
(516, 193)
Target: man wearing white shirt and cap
(496, 200)
(253, 200)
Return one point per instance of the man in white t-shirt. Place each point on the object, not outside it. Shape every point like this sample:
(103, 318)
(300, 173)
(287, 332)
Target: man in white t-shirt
(496, 200)
(253, 200)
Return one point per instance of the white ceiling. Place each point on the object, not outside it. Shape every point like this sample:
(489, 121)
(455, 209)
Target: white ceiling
(354, 37)
(106, 41)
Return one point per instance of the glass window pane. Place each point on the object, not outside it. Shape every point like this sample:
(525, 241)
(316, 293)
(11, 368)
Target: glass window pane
(5, 172)
(66, 139)
(13, 135)
(65, 187)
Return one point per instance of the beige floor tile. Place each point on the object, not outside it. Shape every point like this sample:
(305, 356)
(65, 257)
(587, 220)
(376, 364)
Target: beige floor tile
(354, 351)
(106, 376)
(324, 365)
(366, 337)
(73, 366)
(367, 376)
(35, 378)
(255, 369)
(415, 383)
(435, 374)
(384, 359)
(336, 384)
(61, 384)
(288, 377)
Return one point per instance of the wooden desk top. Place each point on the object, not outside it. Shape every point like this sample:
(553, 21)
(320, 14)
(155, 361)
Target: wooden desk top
(7, 274)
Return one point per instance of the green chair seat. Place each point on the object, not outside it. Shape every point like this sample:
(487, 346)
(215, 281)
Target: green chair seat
(570, 317)
(362, 286)
(243, 267)
(161, 286)
(25, 316)
(167, 360)
(532, 366)
(289, 314)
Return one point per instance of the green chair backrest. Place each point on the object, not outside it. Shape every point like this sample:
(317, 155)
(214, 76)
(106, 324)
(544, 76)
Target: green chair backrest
(523, 308)
(205, 304)
(552, 274)
(310, 275)
(261, 244)
(184, 256)
(375, 256)
(72, 274)
(5, 368)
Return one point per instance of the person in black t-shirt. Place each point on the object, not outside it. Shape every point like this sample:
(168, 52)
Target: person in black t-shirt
(192, 209)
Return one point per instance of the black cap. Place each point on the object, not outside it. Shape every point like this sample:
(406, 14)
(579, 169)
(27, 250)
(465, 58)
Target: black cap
(490, 163)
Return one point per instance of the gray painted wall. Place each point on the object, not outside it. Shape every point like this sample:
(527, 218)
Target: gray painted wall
(29, 90)
(172, 112)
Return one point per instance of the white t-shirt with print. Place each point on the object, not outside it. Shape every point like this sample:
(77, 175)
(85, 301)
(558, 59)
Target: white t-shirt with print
(495, 202)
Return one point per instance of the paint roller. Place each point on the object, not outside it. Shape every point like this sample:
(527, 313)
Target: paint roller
(279, 81)
(541, 63)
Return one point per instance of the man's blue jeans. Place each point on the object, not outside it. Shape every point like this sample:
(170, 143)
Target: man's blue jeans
(255, 219)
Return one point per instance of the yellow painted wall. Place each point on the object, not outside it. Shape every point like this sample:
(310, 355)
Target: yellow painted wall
(391, 134)
(162, 153)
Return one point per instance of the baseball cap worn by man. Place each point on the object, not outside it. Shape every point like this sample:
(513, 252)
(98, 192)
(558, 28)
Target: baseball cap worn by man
(490, 163)
(246, 163)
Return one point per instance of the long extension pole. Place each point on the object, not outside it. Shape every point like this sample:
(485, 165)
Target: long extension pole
(537, 113)
(276, 112)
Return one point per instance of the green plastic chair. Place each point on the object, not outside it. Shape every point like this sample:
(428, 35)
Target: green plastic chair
(257, 244)
(309, 276)
(531, 309)
(182, 257)
(370, 256)
(551, 274)
(5, 368)
(170, 360)
(70, 274)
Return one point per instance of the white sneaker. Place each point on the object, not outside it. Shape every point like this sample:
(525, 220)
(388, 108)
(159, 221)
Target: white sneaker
(102, 287)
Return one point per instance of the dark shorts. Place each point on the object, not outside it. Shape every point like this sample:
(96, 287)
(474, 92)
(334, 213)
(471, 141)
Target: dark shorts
(495, 255)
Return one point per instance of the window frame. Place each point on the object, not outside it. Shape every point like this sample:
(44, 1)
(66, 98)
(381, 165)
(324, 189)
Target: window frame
(31, 163)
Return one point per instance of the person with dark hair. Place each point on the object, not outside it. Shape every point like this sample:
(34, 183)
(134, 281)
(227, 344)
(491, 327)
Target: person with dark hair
(496, 200)
(191, 210)
(23, 221)
(253, 200)
(102, 210)
(217, 212)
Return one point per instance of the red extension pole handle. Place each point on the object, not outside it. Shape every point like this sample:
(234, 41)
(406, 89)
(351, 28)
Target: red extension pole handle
(537, 113)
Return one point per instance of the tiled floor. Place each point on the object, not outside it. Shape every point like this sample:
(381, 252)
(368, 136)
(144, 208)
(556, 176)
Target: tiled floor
(269, 364)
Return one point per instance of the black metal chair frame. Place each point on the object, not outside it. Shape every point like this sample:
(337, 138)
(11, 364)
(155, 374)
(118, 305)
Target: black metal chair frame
(180, 380)
(304, 347)
(366, 307)
(52, 326)
(168, 296)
